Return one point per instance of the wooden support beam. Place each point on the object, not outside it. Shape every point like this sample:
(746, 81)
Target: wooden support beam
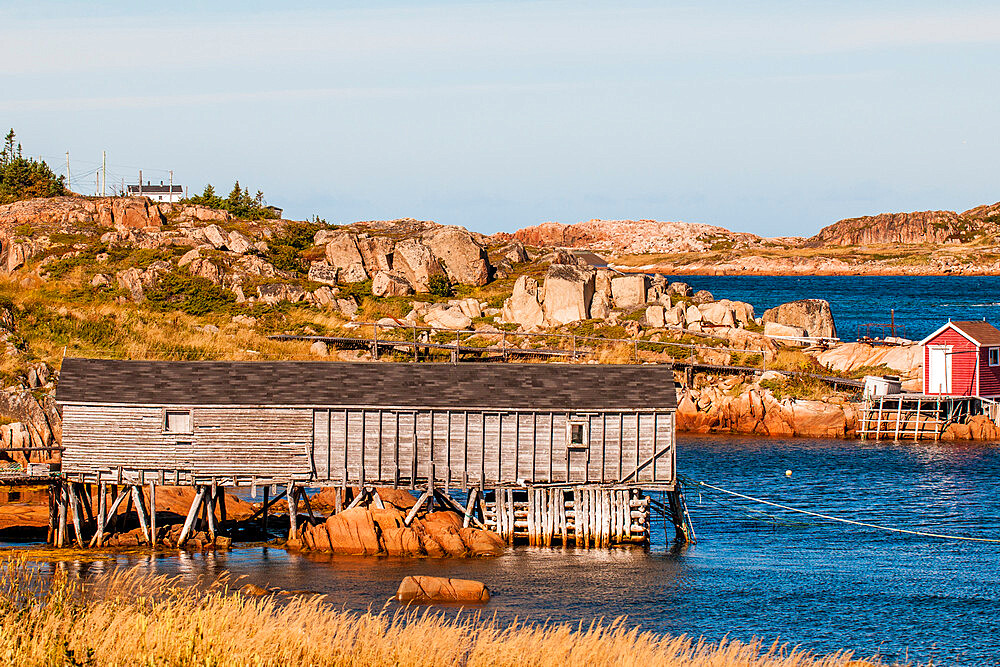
(152, 514)
(420, 502)
(449, 502)
(102, 515)
(88, 507)
(141, 512)
(209, 510)
(74, 504)
(358, 499)
(376, 499)
(470, 506)
(265, 509)
(222, 507)
(191, 516)
(63, 499)
(309, 509)
(293, 511)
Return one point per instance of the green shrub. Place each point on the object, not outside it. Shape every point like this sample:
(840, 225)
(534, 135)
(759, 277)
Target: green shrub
(440, 286)
(191, 294)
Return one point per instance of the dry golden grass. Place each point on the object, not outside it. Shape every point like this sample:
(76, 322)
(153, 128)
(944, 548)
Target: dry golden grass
(124, 618)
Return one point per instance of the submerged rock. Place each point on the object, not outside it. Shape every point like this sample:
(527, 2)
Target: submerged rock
(424, 589)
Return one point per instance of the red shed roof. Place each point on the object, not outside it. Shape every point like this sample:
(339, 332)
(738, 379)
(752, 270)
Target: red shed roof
(979, 332)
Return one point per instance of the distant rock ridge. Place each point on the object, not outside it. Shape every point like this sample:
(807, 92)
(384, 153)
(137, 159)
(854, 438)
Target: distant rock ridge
(636, 236)
(911, 228)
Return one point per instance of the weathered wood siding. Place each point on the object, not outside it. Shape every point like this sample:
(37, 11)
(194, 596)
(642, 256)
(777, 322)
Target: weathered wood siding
(459, 448)
(270, 443)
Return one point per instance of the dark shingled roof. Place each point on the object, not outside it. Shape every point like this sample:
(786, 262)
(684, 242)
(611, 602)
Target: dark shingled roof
(570, 387)
(978, 330)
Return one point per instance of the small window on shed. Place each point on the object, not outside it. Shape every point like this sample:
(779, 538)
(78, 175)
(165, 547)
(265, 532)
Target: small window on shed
(994, 353)
(177, 421)
(576, 433)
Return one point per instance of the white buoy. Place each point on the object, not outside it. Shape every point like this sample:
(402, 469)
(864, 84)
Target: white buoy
(788, 473)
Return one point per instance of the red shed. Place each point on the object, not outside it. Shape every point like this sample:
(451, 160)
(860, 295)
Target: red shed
(962, 359)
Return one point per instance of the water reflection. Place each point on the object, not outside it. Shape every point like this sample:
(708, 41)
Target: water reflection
(755, 572)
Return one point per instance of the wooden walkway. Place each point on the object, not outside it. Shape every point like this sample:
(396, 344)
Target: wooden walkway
(580, 347)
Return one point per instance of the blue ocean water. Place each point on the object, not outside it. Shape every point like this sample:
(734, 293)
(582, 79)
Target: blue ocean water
(755, 571)
(922, 303)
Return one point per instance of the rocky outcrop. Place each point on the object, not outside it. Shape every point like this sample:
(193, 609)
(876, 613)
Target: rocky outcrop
(427, 589)
(635, 236)
(629, 291)
(812, 315)
(464, 259)
(342, 253)
(755, 410)
(921, 227)
(360, 531)
(568, 292)
(391, 283)
(417, 263)
(523, 307)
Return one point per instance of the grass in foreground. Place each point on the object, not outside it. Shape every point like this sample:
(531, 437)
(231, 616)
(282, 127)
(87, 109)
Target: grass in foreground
(125, 618)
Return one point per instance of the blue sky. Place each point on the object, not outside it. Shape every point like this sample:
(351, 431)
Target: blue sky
(770, 117)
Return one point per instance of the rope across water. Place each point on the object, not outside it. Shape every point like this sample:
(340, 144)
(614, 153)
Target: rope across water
(828, 517)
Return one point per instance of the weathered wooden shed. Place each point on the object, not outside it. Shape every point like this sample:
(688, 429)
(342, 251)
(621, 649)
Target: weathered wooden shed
(493, 428)
(386, 424)
(962, 359)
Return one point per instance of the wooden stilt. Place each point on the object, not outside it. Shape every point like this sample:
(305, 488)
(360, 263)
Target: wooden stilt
(561, 508)
(358, 499)
(209, 510)
(266, 508)
(222, 508)
(376, 499)
(113, 518)
(420, 502)
(74, 504)
(470, 506)
(152, 514)
(293, 511)
(87, 501)
(98, 538)
(141, 512)
(338, 501)
(61, 512)
(128, 504)
(309, 509)
(50, 537)
(191, 516)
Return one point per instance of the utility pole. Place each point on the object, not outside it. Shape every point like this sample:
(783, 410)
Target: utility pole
(97, 184)
(104, 178)
(68, 186)
(170, 197)
(140, 182)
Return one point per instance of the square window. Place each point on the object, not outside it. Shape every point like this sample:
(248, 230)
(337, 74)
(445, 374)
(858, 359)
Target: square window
(577, 433)
(994, 353)
(177, 421)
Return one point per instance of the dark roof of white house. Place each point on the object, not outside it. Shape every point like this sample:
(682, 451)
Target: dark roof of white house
(569, 387)
(154, 189)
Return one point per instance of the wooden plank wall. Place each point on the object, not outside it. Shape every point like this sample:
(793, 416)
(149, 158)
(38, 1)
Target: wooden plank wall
(264, 442)
(462, 448)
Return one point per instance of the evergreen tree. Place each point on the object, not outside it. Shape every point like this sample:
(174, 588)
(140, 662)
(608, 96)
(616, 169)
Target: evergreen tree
(22, 178)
